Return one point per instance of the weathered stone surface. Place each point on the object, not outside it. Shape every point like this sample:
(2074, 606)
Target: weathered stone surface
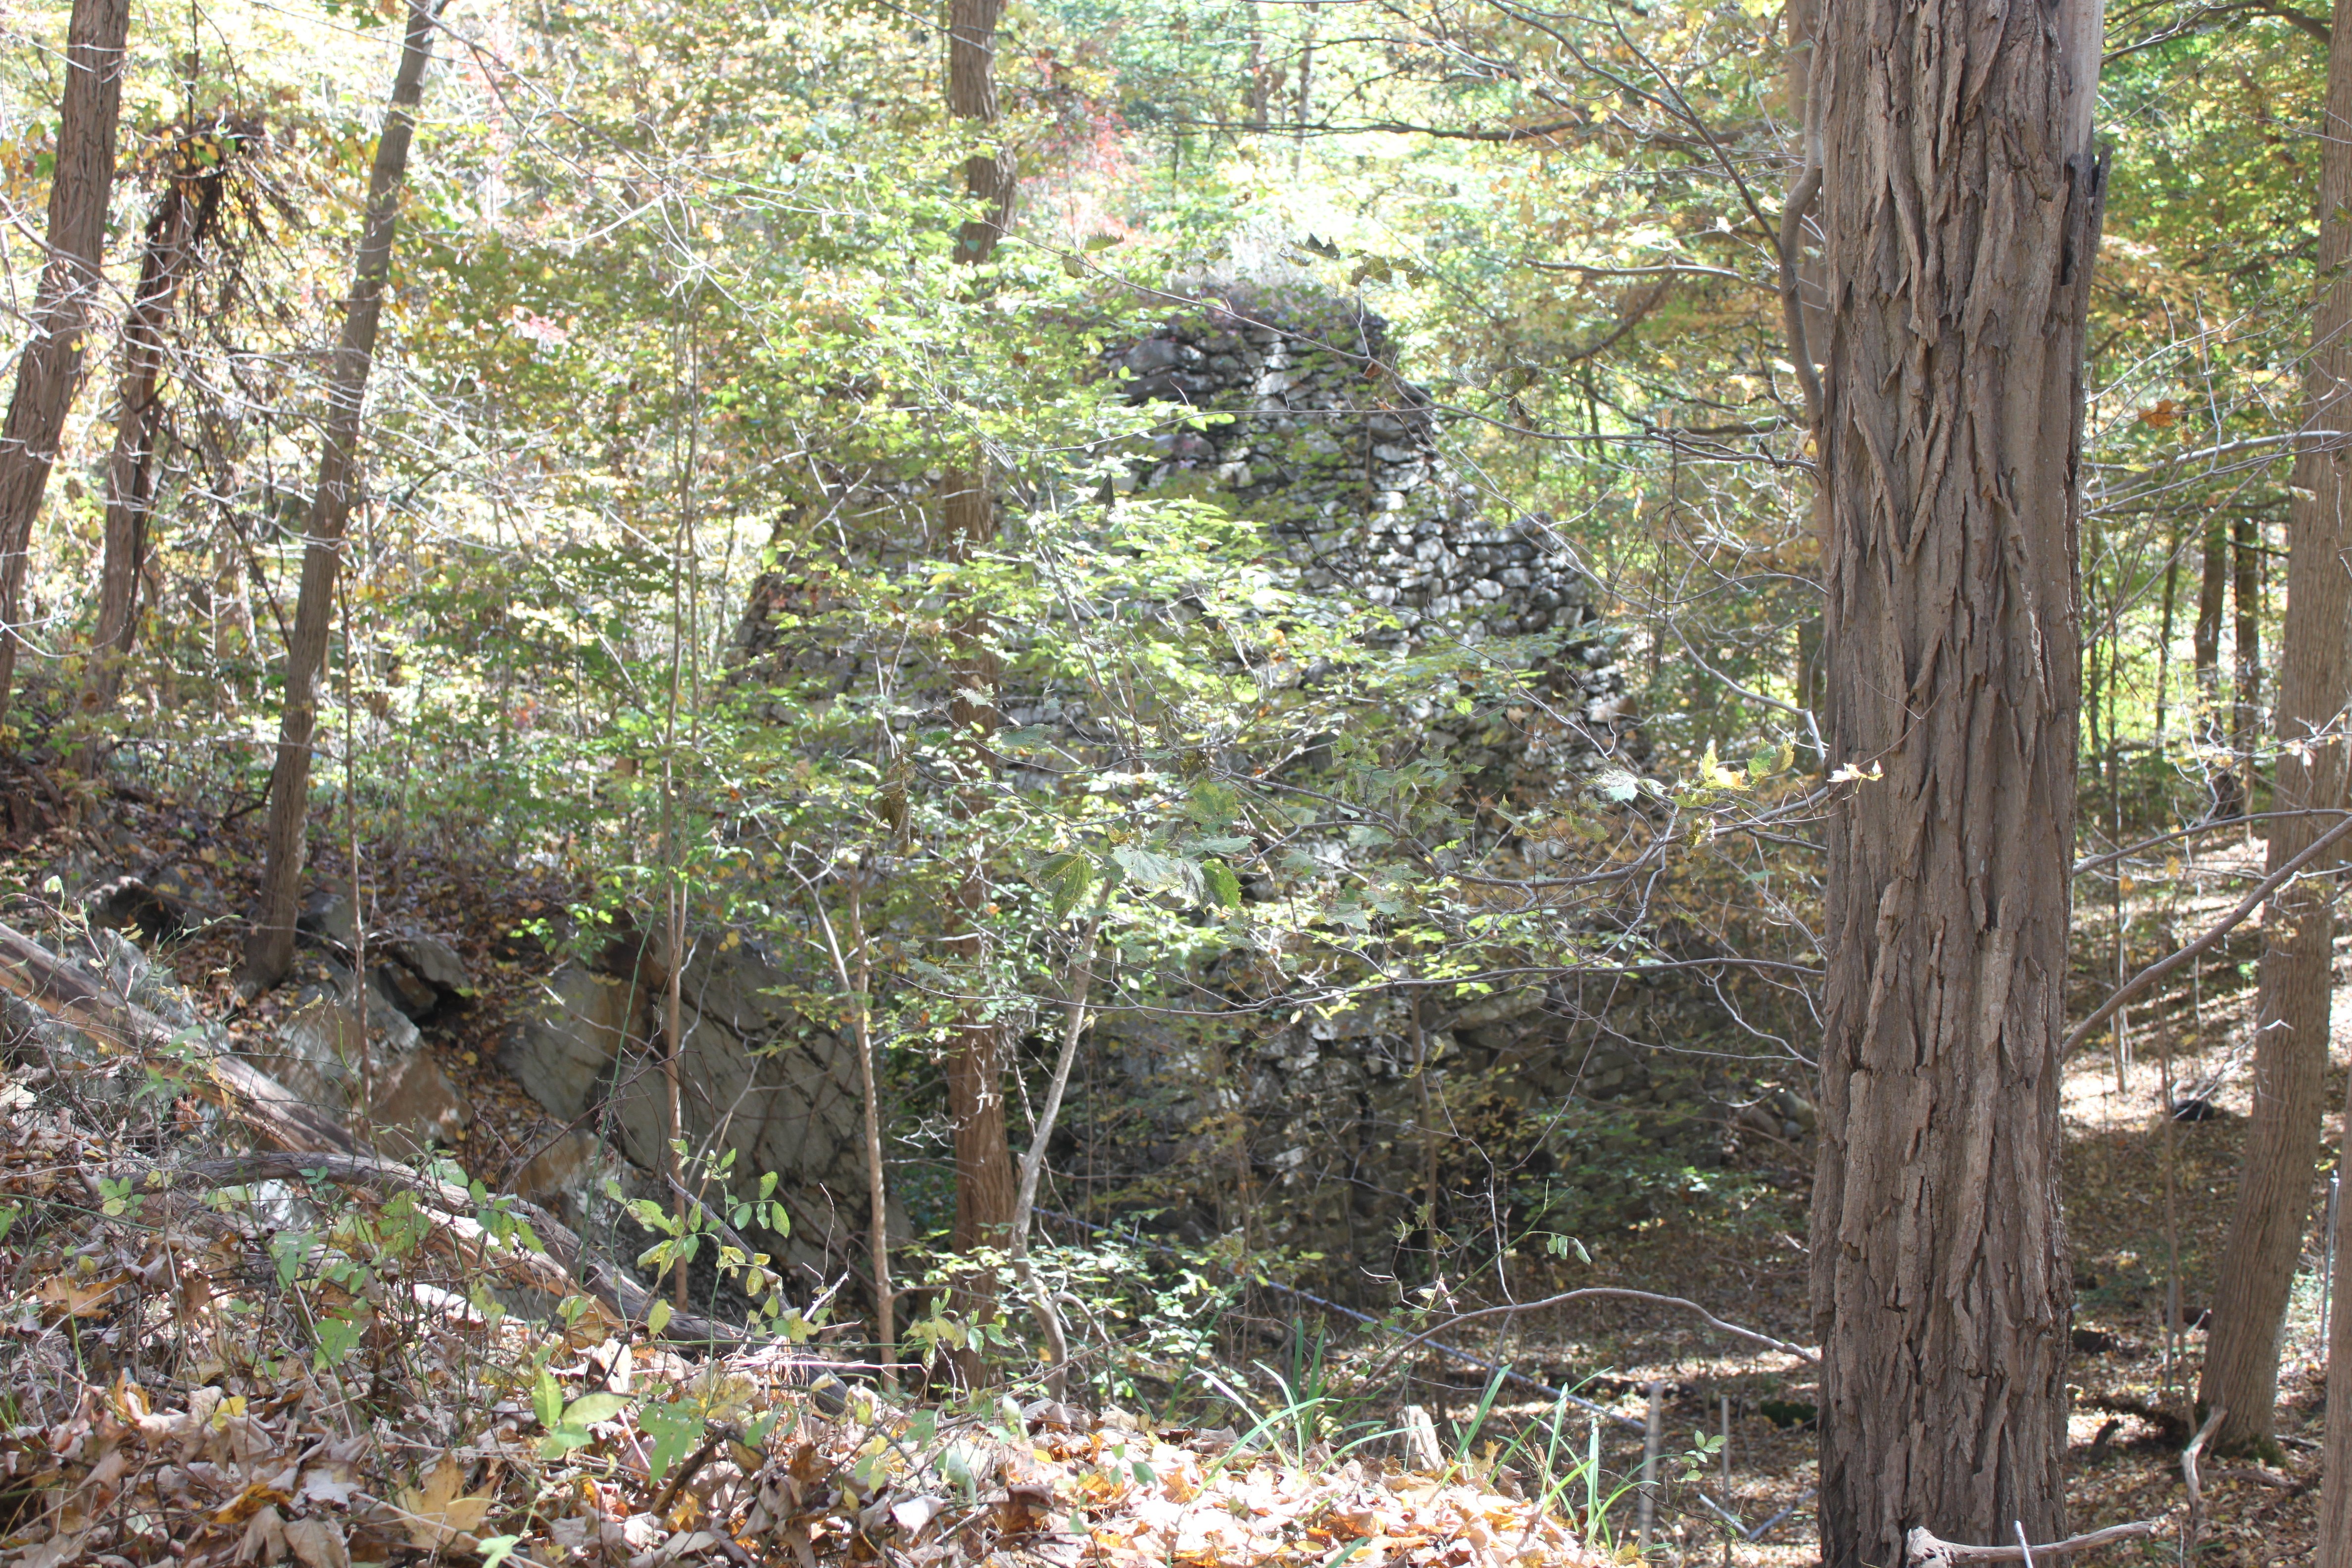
(435, 962)
(410, 1101)
(756, 1076)
(406, 990)
(563, 1054)
(327, 912)
(559, 1168)
(415, 1105)
(389, 1025)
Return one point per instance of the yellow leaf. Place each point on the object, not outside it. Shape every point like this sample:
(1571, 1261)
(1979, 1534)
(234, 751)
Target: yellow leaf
(438, 1514)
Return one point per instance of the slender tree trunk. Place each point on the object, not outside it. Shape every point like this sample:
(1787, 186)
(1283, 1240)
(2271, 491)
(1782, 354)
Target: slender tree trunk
(2212, 593)
(2291, 1035)
(2165, 628)
(1306, 86)
(1259, 92)
(2205, 642)
(1961, 205)
(269, 952)
(183, 214)
(50, 366)
(985, 1189)
(877, 1199)
(989, 176)
(2246, 651)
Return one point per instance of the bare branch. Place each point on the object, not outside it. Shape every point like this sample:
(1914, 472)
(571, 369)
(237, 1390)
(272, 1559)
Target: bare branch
(2227, 923)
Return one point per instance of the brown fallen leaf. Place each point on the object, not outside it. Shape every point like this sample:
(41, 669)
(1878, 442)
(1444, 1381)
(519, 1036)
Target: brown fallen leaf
(437, 1512)
(71, 1297)
(317, 1543)
(264, 1539)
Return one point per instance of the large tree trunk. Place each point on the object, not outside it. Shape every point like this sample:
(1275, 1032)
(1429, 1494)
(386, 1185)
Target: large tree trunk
(50, 366)
(183, 213)
(269, 952)
(1961, 204)
(976, 1051)
(2292, 1033)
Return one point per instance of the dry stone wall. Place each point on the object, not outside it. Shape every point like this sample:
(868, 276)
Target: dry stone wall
(1313, 433)
(1289, 413)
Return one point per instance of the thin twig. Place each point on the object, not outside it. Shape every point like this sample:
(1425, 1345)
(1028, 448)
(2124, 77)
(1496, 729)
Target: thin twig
(1595, 1293)
(2229, 923)
(2194, 1525)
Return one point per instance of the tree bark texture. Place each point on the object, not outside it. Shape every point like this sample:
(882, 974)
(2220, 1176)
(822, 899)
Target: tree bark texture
(976, 1051)
(269, 952)
(184, 212)
(1961, 199)
(2336, 1463)
(2205, 642)
(991, 176)
(49, 369)
(2291, 1030)
(2246, 650)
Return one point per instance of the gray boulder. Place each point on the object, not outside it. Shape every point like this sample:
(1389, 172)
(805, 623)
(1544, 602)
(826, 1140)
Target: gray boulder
(408, 1102)
(757, 1077)
(435, 962)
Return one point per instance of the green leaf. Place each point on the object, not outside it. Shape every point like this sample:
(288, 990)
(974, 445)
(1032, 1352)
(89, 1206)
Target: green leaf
(496, 1549)
(562, 1441)
(675, 1428)
(658, 1318)
(1224, 888)
(547, 1401)
(1067, 878)
(1151, 871)
(590, 1408)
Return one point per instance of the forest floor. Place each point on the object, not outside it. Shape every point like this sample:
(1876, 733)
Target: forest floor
(2148, 1203)
(2148, 1199)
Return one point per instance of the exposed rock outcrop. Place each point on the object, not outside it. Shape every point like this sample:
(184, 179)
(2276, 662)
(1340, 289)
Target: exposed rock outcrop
(758, 1078)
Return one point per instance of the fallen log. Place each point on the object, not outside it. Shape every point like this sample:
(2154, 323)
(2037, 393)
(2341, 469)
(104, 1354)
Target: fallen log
(1923, 1550)
(66, 991)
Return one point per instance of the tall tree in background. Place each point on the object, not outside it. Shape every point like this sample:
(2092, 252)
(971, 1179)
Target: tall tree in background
(2245, 652)
(50, 366)
(1962, 205)
(975, 1066)
(184, 212)
(2293, 1014)
(2205, 645)
(269, 952)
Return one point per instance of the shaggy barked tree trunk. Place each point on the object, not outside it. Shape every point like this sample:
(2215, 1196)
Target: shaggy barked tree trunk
(269, 952)
(1960, 205)
(50, 366)
(2293, 1018)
